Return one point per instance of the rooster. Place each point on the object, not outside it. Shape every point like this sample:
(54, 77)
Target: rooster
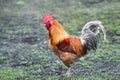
(70, 48)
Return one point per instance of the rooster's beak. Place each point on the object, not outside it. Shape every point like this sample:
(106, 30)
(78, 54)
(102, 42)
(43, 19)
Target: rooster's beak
(51, 22)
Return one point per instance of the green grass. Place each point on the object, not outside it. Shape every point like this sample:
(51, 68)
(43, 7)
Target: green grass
(78, 78)
(11, 74)
(24, 52)
(8, 73)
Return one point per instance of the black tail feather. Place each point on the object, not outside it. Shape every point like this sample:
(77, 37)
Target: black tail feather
(89, 35)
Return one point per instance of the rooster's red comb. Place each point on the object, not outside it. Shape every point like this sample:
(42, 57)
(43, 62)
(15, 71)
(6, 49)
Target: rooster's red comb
(47, 17)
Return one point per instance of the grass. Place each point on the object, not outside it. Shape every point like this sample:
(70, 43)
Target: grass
(10, 74)
(78, 78)
(25, 54)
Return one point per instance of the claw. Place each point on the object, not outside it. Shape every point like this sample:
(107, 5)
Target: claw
(68, 73)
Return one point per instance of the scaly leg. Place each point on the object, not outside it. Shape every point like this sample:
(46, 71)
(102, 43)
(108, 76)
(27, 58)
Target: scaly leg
(68, 73)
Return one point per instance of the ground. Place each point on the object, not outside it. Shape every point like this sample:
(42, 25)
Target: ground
(25, 54)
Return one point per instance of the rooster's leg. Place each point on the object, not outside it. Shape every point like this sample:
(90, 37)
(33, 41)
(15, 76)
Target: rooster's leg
(68, 73)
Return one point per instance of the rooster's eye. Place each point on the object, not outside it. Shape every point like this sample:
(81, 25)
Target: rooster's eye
(48, 20)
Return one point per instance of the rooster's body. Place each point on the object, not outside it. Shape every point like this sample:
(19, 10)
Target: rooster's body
(70, 48)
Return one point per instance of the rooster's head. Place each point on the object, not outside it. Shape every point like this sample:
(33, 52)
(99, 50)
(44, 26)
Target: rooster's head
(47, 20)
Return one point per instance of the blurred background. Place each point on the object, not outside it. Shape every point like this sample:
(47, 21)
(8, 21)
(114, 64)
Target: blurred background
(25, 54)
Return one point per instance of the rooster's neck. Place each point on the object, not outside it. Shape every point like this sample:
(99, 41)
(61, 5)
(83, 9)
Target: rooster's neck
(57, 32)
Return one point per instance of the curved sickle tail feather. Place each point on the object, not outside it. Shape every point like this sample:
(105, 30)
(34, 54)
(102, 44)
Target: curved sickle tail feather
(89, 35)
